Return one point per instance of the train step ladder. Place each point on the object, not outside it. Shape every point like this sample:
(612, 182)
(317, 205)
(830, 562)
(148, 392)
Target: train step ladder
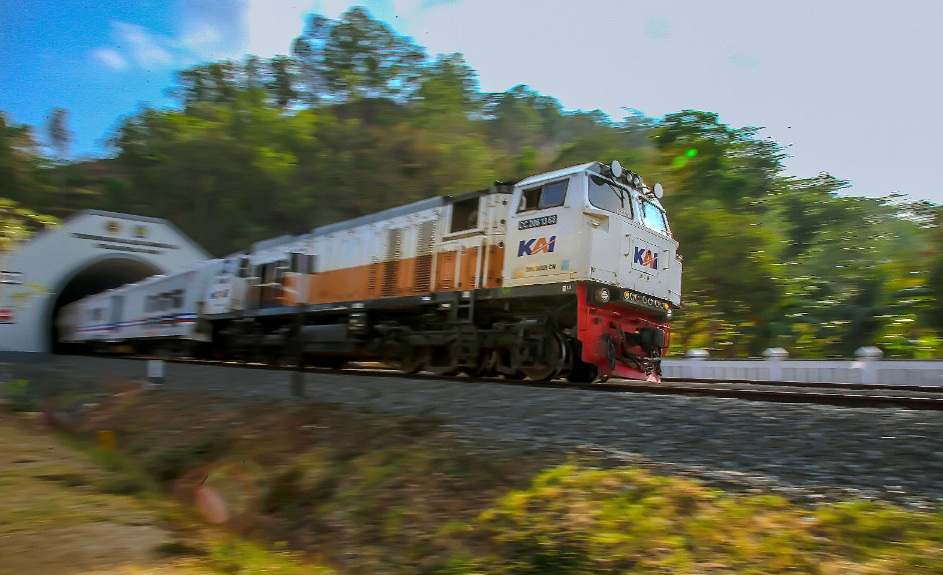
(466, 342)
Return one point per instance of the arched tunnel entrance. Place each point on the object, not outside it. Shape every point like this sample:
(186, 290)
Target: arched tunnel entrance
(103, 274)
(86, 253)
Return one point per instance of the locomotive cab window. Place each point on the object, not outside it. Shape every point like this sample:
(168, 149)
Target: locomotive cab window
(607, 196)
(653, 217)
(464, 215)
(546, 196)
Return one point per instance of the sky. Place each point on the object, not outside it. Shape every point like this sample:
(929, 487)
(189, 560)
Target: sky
(848, 87)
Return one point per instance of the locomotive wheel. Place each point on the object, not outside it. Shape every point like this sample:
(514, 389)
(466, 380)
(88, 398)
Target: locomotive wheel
(554, 362)
(412, 360)
(486, 365)
(441, 361)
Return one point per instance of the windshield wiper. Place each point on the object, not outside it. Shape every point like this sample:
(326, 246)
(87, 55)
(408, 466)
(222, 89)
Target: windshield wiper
(619, 192)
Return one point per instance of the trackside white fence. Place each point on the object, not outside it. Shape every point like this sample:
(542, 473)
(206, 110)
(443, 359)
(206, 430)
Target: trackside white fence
(866, 369)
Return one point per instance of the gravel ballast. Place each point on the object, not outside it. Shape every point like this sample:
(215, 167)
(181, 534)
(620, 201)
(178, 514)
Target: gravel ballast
(805, 452)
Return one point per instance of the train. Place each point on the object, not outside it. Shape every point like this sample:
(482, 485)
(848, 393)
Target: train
(573, 273)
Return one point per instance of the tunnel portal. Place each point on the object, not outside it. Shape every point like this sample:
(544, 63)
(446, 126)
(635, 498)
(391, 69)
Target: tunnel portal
(98, 276)
(88, 253)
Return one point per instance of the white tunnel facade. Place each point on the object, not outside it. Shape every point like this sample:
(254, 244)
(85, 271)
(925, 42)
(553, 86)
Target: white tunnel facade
(87, 253)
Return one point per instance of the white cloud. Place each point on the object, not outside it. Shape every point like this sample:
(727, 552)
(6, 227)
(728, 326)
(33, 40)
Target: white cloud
(838, 84)
(201, 36)
(134, 45)
(110, 58)
(332, 8)
(406, 7)
(208, 30)
(142, 46)
(213, 30)
(272, 25)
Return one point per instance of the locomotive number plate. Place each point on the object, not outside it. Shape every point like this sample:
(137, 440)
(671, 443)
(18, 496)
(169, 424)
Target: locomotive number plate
(537, 222)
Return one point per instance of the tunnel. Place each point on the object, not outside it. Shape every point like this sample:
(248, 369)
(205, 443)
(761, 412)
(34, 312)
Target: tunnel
(100, 275)
(86, 253)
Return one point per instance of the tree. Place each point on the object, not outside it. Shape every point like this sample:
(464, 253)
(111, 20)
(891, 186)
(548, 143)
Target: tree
(355, 58)
(522, 117)
(22, 174)
(59, 135)
(216, 83)
(448, 86)
(710, 160)
(17, 224)
(308, 51)
(280, 84)
(935, 269)
(357, 119)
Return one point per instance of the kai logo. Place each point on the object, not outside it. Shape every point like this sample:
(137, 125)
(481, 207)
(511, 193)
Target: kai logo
(536, 246)
(646, 258)
(219, 294)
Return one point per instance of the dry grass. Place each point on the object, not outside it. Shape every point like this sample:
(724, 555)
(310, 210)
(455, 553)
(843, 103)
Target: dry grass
(313, 488)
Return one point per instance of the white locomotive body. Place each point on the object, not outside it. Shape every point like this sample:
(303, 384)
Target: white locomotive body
(580, 225)
(570, 273)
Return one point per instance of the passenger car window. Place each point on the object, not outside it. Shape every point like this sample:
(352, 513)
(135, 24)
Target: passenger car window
(546, 196)
(606, 195)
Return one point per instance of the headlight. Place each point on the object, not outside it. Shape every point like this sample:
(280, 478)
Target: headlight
(602, 294)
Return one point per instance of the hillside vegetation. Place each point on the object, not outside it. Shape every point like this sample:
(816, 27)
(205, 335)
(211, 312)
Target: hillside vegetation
(358, 119)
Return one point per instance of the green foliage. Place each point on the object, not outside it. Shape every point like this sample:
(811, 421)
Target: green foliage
(17, 224)
(576, 520)
(356, 57)
(17, 395)
(23, 171)
(239, 557)
(358, 119)
(171, 463)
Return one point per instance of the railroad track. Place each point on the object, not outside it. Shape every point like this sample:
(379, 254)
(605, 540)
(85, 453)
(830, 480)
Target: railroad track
(839, 394)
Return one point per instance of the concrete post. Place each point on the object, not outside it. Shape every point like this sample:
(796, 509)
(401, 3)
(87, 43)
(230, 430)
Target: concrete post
(775, 357)
(868, 358)
(155, 372)
(694, 369)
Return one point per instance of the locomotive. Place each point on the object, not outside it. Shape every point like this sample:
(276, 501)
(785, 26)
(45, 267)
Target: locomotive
(571, 273)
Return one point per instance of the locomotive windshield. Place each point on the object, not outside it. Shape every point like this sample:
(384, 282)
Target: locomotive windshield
(606, 195)
(653, 217)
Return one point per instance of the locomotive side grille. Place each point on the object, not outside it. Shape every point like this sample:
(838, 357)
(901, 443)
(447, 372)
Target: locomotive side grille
(445, 271)
(423, 280)
(469, 268)
(394, 251)
(373, 278)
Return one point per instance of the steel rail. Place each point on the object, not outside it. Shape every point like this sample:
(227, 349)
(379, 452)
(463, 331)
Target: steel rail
(697, 388)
